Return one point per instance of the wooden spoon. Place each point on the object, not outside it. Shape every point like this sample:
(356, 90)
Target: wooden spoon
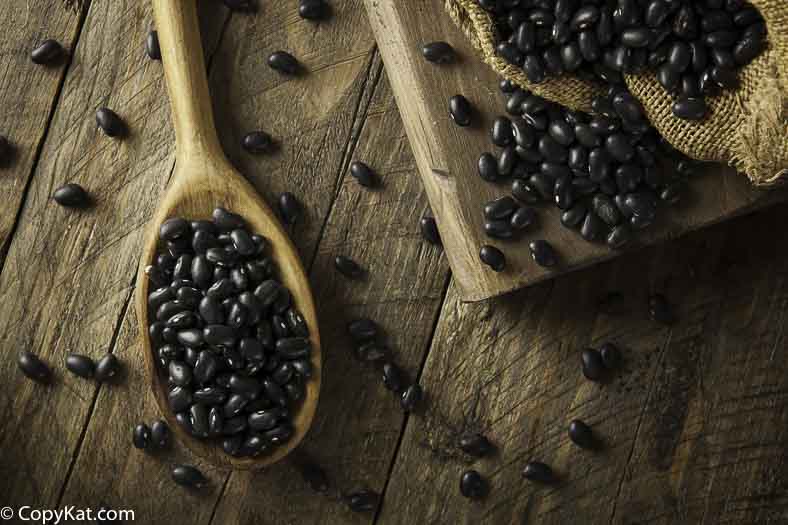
(203, 180)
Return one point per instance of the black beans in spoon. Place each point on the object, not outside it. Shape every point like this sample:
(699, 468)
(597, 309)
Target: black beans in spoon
(228, 338)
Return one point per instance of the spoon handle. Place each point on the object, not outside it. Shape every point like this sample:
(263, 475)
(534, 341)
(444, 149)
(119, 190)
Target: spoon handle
(187, 82)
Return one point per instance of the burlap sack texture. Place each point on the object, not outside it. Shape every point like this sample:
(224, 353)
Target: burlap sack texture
(747, 128)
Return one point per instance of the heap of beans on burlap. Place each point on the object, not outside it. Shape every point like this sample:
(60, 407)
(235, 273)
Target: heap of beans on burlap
(746, 128)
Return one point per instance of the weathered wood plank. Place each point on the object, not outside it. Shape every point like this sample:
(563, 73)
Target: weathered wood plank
(28, 92)
(68, 274)
(358, 422)
(694, 425)
(448, 157)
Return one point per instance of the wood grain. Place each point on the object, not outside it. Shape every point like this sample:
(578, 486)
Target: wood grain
(68, 275)
(693, 425)
(448, 155)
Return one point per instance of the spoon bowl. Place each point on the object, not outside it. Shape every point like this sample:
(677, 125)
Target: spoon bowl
(202, 181)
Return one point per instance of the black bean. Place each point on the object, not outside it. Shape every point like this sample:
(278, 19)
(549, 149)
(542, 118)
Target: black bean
(363, 329)
(475, 444)
(72, 195)
(363, 501)
(543, 253)
(510, 53)
(110, 123)
(524, 192)
(210, 395)
(33, 367)
(198, 414)
(473, 485)
(188, 476)
(618, 236)
(393, 378)
(593, 367)
(232, 445)
(141, 436)
(263, 419)
(185, 422)
(48, 52)
(159, 434)
(605, 209)
(460, 110)
(234, 425)
(581, 434)
(180, 398)
(619, 147)
(152, 46)
(268, 292)
(371, 351)
(574, 216)
(302, 367)
(313, 9)
(215, 422)
(274, 392)
(500, 208)
(429, 230)
(284, 62)
(539, 472)
(611, 355)
(747, 49)
(493, 257)
(534, 69)
(107, 367)
(348, 267)
(289, 208)
(660, 310)
(180, 373)
(562, 132)
(80, 365)
(522, 218)
(411, 397)
(438, 52)
(363, 174)
(501, 132)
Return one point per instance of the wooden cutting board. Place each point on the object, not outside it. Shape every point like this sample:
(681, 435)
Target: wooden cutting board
(447, 157)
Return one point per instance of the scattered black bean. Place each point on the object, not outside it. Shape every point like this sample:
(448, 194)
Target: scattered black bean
(363, 174)
(493, 257)
(539, 472)
(438, 52)
(543, 253)
(460, 110)
(81, 365)
(48, 52)
(284, 62)
(593, 366)
(611, 355)
(160, 434)
(348, 267)
(659, 310)
(411, 397)
(33, 367)
(393, 378)
(188, 476)
(475, 444)
(473, 485)
(581, 434)
(363, 501)
(72, 195)
(107, 367)
(141, 436)
(429, 230)
(289, 208)
(257, 142)
(313, 9)
(110, 123)
(152, 46)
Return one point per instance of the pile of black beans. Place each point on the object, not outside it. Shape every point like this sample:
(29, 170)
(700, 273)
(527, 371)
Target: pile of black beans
(695, 46)
(234, 349)
(609, 173)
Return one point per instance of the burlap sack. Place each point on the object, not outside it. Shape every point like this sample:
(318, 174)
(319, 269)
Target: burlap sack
(747, 128)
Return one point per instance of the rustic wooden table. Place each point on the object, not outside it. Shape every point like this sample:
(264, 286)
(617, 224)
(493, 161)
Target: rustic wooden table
(695, 426)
